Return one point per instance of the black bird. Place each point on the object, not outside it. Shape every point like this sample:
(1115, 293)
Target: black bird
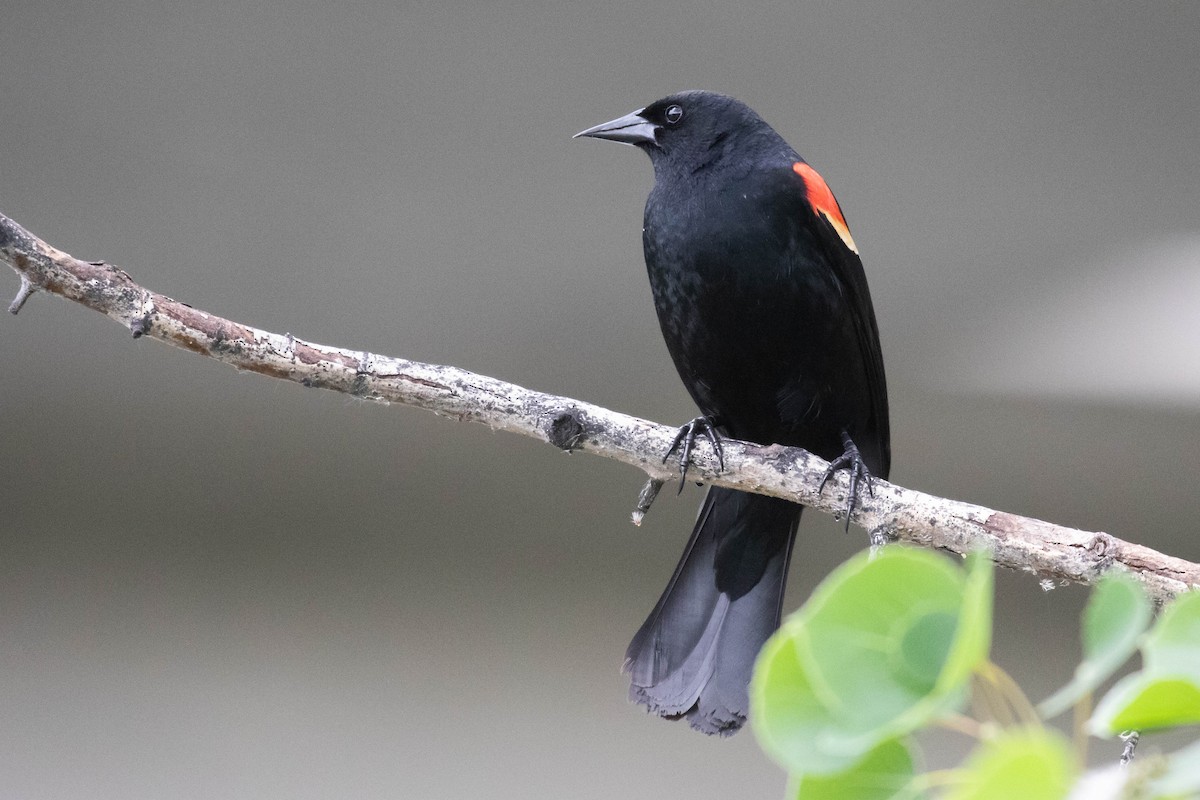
(764, 305)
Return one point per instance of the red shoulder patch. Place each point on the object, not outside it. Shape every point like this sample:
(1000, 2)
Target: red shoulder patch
(823, 202)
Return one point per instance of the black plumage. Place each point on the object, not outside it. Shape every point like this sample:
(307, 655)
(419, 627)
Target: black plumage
(764, 306)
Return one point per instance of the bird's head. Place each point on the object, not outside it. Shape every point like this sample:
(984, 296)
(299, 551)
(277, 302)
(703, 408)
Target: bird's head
(687, 129)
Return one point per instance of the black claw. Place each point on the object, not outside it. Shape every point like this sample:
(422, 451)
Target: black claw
(687, 437)
(852, 460)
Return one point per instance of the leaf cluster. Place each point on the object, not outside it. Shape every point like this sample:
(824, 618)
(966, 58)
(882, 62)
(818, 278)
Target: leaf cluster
(897, 641)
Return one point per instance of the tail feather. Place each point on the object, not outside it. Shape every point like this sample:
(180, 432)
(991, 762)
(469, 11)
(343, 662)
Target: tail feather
(694, 655)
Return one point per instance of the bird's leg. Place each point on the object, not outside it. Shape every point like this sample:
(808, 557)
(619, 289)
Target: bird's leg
(852, 460)
(687, 437)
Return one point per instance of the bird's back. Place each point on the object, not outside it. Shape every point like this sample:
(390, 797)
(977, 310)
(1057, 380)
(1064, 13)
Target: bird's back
(764, 326)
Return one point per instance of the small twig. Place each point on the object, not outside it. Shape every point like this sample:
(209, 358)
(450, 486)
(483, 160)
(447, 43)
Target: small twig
(961, 723)
(989, 704)
(24, 293)
(934, 779)
(1012, 694)
(645, 500)
(1131, 739)
(1079, 734)
(1044, 549)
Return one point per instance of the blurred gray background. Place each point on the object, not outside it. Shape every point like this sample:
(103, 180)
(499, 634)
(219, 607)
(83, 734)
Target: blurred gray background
(216, 585)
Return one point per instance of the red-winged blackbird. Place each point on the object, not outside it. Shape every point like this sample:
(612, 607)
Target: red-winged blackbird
(764, 305)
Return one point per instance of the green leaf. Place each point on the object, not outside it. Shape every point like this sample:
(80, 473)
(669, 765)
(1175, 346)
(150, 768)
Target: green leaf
(973, 636)
(1029, 764)
(1116, 614)
(1144, 701)
(1166, 692)
(787, 717)
(1173, 646)
(884, 644)
(885, 774)
(1115, 781)
(1182, 777)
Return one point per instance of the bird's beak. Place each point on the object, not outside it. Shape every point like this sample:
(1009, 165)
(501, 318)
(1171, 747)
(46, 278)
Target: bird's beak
(631, 129)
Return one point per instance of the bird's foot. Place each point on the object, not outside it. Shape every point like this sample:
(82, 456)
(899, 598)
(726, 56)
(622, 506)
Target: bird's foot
(687, 437)
(852, 460)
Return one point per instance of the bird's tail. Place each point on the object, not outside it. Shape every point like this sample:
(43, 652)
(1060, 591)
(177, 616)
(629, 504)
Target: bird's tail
(694, 655)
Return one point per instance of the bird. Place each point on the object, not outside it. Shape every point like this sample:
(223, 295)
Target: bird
(764, 307)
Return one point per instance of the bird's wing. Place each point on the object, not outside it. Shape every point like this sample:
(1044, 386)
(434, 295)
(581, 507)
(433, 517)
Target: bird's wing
(831, 228)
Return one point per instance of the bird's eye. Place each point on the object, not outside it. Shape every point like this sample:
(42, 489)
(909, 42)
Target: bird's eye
(673, 114)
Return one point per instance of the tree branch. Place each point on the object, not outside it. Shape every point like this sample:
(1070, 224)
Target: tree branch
(1050, 551)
